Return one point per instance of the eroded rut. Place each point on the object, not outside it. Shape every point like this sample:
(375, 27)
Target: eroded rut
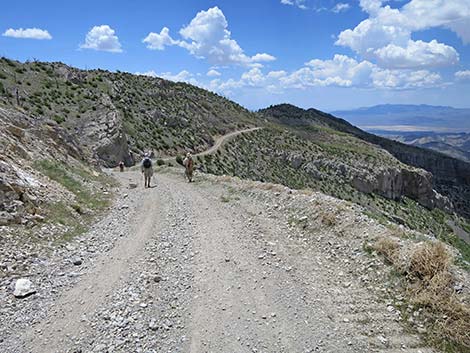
(204, 268)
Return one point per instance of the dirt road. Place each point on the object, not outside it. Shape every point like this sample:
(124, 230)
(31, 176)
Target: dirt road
(220, 141)
(212, 267)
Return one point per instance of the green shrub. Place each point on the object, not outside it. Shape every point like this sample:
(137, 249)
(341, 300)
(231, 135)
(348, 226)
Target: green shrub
(179, 159)
(160, 162)
(58, 119)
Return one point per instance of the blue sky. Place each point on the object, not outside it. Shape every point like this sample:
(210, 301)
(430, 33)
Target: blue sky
(327, 54)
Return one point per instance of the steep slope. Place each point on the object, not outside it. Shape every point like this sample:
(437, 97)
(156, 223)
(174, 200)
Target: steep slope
(117, 116)
(450, 177)
(203, 261)
(310, 149)
(60, 124)
(49, 188)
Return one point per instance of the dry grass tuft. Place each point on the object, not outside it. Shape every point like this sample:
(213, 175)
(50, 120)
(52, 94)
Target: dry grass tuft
(389, 248)
(431, 287)
(429, 260)
(329, 219)
(455, 323)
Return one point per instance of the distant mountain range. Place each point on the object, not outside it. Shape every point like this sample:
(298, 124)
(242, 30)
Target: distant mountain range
(405, 117)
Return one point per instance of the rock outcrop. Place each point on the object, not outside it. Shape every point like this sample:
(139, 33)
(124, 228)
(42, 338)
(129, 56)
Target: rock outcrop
(444, 175)
(105, 136)
(395, 183)
(18, 194)
(24, 142)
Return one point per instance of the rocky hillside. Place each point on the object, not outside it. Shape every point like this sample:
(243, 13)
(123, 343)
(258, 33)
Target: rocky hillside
(59, 125)
(311, 149)
(117, 116)
(48, 185)
(448, 176)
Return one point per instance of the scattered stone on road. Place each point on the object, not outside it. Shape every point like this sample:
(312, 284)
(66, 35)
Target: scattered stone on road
(182, 271)
(23, 288)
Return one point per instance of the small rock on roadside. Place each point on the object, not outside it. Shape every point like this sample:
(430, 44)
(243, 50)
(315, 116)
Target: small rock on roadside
(23, 288)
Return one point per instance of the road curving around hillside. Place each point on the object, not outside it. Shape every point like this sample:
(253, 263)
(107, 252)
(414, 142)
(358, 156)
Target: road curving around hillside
(219, 142)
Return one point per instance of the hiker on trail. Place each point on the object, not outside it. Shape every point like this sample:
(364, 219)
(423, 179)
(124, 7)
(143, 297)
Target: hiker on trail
(121, 166)
(189, 166)
(147, 169)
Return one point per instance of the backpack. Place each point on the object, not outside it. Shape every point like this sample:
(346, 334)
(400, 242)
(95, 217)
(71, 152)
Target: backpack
(147, 163)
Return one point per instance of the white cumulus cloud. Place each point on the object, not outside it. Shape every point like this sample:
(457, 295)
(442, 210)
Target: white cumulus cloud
(386, 36)
(262, 57)
(463, 75)
(417, 54)
(340, 71)
(150, 73)
(405, 79)
(27, 33)
(451, 14)
(182, 76)
(371, 6)
(102, 38)
(207, 37)
(158, 41)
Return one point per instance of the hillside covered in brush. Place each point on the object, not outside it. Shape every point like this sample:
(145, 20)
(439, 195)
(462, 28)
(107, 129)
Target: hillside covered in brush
(448, 176)
(59, 125)
(117, 116)
(311, 149)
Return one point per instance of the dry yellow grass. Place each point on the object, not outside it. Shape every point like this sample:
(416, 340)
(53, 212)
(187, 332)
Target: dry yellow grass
(429, 260)
(389, 248)
(429, 285)
(328, 219)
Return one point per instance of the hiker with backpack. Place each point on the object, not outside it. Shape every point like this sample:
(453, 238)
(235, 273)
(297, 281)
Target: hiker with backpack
(147, 169)
(189, 166)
